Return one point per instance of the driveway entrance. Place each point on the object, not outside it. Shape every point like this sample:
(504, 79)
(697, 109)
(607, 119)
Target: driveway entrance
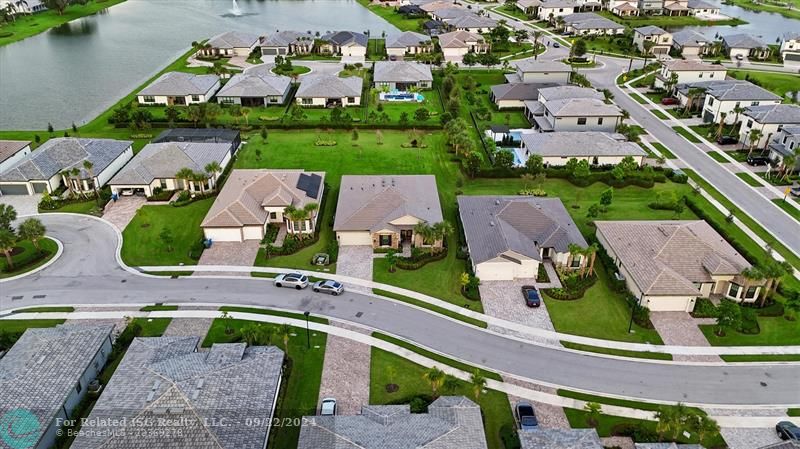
(355, 261)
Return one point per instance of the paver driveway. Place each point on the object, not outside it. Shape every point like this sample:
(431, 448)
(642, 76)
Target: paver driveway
(355, 261)
(345, 374)
(680, 329)
(23, 204)
(503, 299)
(230, 253)
(122, 211)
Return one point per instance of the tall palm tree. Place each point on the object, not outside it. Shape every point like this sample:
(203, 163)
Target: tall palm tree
(441, 231)
(691, 95)
(736, 110)
(450, 383)
(245, 114)
(721, 124)
(89, 167)
(285, 331)
(435, 378)
(66, 179)
(184, 174)
(536, 36)
(478, 383)
(75, 173)
(300, 215)
(754, 136)
(213, 168)
(750, 274)
(7, 242)
(425, 231)
(574, 250)
(790, 163)
(32, 229)
(666, 417)
(703, 425)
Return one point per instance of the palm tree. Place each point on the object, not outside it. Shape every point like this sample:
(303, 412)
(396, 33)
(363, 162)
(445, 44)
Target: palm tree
(200, 179)
(285, 331)
(75, 173)
(536, 36)
(666, 417)
(753, 137)
(721, 124)
(789, 163)
(691, 95)
(450, 383)
(751, 274)
(300, 215)
(703, 426)
(236, 112)
(435, 377)
(7, 241)
(32, 229)
(425, 231)
(440, 232)
(213, 168)
(574, 250)
(65, 178)
(648, 48)
(736, 110)
(89, 167)
(478, 383)
(772, 271)
(245, 114)
(7, 215)
(593, 413)
(251, 333)
(194, 114)
(184, 174)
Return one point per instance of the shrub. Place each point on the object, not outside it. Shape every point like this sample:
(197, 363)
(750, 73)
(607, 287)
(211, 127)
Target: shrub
(532, 192)
(704, 308)
(509, 437)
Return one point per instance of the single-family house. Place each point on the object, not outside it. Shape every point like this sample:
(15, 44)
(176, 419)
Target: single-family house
(411, 11)
(253, 199)
(179, 88)
(329, 90)
(687, 71)
(431, 7)
(12, 151)
(232, 43)
(451, 12)
(784, 148)
(572, 108)
(61, 161)
(383, 211)
(18, 8)
(676, 8)
(434, 27)
(660, 38)
(509, 236)
(451, 422)
(284, 43)
(651, 7)
(211, 135)
(598, 148)
(472, 23)
(790, 48)
(528, 7)
(551, 9)
(165, 384)
(156, 168)
(589, 23)
(456, 44)
(44, 377)
(560, 439)
(725, 96)
(702, 8)
(347, 44)
(255, 90)
(408, 43)
(402, 75)
(514, 95)
(533, 71)
(745, 46)
(691, 44)
(768, 120)
(624, 8)
(667, 264)
(589, 5)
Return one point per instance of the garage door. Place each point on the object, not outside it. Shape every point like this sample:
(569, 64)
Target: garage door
(39, 187)
(668, 304)
(354, 238)
(270, 51)
(223, 234)
(14, 189)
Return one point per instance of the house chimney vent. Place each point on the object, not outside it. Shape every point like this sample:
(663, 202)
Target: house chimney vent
(491, 223)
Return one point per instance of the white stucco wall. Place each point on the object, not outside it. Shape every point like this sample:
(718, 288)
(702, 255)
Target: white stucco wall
(609, 124)
(714, 107)
(8, 163)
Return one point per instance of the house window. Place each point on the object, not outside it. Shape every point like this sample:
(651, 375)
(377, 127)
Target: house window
(303, 226)
(738, 103)
(700, 76)
(296, 226)
(149, 99)
(273, 215)
(273, 99)
(711, 75)
(581, 120)
(195, 98)
(710, 101)
(78, 387)
(351, 99)
(576, 262)
(733, 290)
(749, 123)
(791, 145)
(385, 240)
(755, 103)
(751, 292)
(226, 100)
(306, 100)
(600, 121)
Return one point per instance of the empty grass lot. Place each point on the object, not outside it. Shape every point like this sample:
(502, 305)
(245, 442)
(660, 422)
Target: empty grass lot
(389, 14)
(717, 156)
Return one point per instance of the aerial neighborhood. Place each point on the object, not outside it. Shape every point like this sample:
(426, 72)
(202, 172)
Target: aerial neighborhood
(530, 224)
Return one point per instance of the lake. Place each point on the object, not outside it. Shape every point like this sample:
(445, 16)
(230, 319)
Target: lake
(74, 72)
(768, 26)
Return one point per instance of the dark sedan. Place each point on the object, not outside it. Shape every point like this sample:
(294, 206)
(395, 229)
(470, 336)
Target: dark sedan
(531, 295)
(787, 430)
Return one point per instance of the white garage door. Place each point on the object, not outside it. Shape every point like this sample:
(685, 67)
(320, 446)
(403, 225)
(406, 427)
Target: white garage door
(669, 304)
(223, 234)
(495, 271)
(354, 238)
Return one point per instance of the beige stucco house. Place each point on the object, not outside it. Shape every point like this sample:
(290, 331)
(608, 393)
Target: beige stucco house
(667, 265)
(456, 44)
(661, 39)
(232, 43)
(688, 71)
(382, 211)
(180, 89)
(323, 91)
(252, 199)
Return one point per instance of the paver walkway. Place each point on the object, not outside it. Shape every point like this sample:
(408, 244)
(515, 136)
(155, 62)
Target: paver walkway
(680, 329)
(503, 299)
(355, 261)
(549, 416)
(345, 374)
(552, 276)
(122, 211)
(230, 253)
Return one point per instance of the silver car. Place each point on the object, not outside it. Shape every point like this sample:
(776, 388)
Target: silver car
(296, 280)
(332, 287)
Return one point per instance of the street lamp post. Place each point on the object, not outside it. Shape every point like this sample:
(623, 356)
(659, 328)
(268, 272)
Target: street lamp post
(308, 333)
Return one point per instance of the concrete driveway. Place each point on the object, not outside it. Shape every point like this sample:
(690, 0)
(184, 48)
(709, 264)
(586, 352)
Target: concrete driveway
(23, 204)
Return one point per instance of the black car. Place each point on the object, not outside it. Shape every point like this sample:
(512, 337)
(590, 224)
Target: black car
(531, 295)
(756, 159)
(526, 417)
(788, 431)
(727, 140)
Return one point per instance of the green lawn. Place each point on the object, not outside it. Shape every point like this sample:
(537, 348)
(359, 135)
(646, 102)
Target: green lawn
(158, 308)
(408, 377)
(300, 386)
(775, 331)
(793, 412)
(664, 150)
(395, 109)
(376, 49)
(614, 401)
(659, 114)
(778, 83)
(717, 156)
(686, 134)
(19, 326)
(791, 210)
(296, 316)
(29, 25)
(480, 95)
(617, 352)
(792, 11)
(511, 10)
(89, 207)
(749, 179)
(142, 244)
(29, 258)
(389, 14)
(46, 310)
(667, 21)
(152, 327)
(734, 358)
(475, 306)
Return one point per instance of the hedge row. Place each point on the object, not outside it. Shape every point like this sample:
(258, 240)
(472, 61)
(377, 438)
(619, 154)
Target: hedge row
(410, 263)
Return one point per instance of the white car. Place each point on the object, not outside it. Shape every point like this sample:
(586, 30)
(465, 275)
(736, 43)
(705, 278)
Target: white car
(296, 280)
(328, 407)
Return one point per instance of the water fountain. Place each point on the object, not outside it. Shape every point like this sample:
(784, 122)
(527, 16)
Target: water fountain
(235, 10)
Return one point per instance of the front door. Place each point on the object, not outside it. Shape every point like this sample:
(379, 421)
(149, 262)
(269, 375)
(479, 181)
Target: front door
(406, 235)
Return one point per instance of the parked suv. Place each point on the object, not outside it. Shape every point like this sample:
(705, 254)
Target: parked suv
(526, 417)
(756, 159)
(727, 140)
(295, 280)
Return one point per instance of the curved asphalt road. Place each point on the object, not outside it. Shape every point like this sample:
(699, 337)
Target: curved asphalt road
(87, 272)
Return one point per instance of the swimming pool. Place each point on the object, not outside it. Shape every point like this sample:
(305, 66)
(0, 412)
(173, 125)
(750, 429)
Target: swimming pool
(401, 96)
(517, 158)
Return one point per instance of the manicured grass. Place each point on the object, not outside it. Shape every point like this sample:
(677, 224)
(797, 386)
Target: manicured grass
(717, 156)
(158, 308)
(667, 21)
(793, 412)
(29, 259)
(746, 177)
(389, 14)
(387, 368)
(300, 386)
(19, 326)
(439, 358)
(686, 134)
(46, 310)
(89, 207)
(511, 10)
(617, 352)
(481, 98)
(297, 316)
(29, 25)
(152, 327)
(618, 44)
(609, 312)
(792, 12)
(791, 210)
(142, 244)
(434, 308)
(614, 401)
(737, 155)
(659, 114)
(775, 331)
(664, 150)
(376, 49)
(777, 83)
(394, 109)
(295, 70)
(761, 358)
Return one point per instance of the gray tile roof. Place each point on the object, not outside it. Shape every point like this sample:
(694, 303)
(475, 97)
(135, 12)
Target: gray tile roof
(471, 21)
(233, 39)
(401, 71)
(792, 35)
(783, 114)
(180, 84)
(559, 4)
(518, 91)
(286, 38)
(560, 439)
(580, 144)
(163, 378)
(534, 66)
(452, 422)
(255, 85)
(458, 39)
(347, 38)
(731, 90)
(669, 257)
(163, 160)
(650, 30)
(700, 4)
(690, 38)
(63, 153)
(583, 107)
(678, 65)
(667, 446)
(494, 225)
(407, 39)
(451, 13)
(565, 92)
(742, 40)
(782, 445)
(41, 370)
(372, 202)
(590, 20)
(9, 148)
(329, 86)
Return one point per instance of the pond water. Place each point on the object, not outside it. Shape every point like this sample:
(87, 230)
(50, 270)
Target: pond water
(74, 72)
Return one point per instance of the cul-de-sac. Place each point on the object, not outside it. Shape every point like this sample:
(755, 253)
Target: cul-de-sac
(400, 224)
